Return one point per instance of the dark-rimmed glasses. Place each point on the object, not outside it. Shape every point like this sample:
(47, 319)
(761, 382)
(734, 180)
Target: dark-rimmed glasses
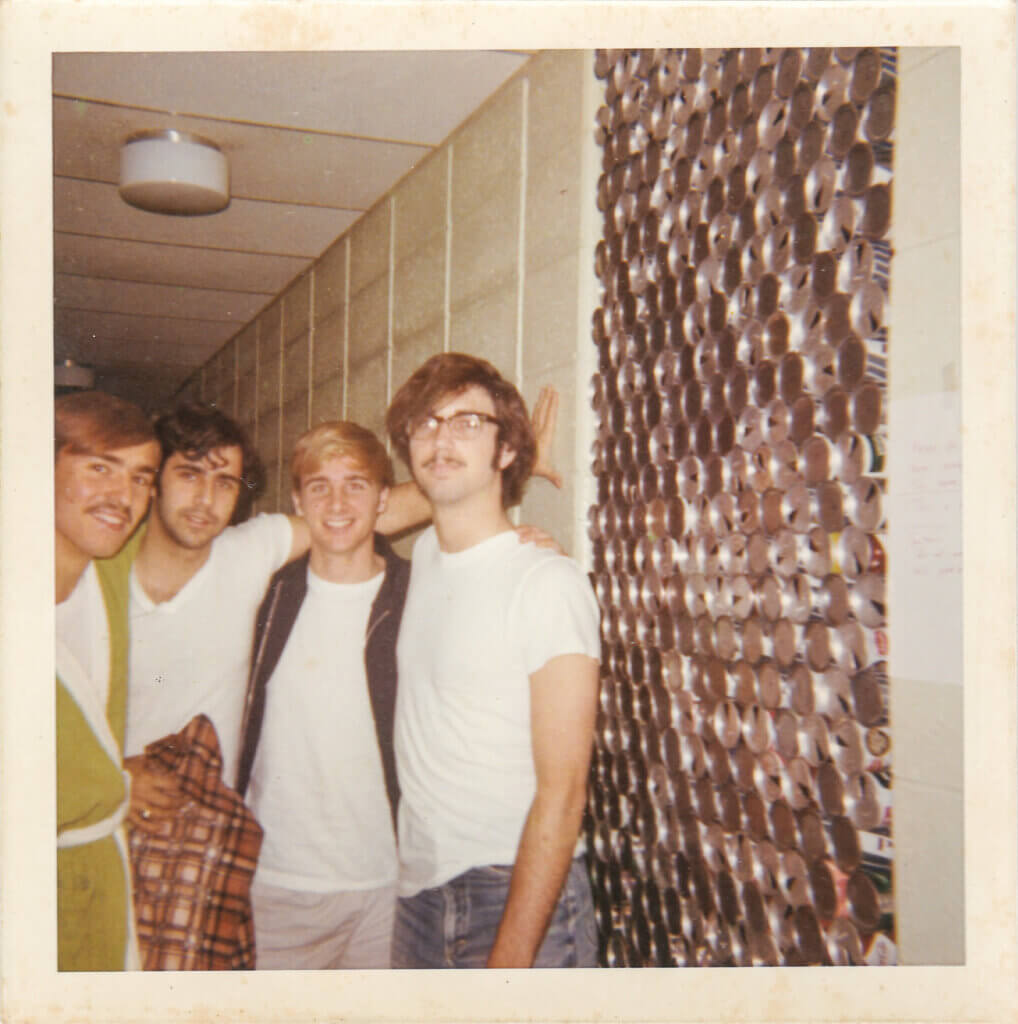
(463, 426)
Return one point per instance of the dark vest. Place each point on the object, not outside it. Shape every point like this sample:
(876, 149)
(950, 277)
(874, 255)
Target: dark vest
(275, 619)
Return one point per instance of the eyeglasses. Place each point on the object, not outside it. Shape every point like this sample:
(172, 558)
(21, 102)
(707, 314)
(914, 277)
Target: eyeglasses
(463, 426)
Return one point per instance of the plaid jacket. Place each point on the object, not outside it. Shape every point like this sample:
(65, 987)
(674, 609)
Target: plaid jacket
(192, 875)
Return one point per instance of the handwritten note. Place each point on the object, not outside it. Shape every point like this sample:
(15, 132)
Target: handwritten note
(924, 538)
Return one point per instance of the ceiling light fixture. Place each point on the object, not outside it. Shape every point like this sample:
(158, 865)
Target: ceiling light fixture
(71, 376)
(173, 172)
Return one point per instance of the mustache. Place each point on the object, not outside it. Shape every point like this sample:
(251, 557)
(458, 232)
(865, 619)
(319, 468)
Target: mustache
(428, 463)
(116, 508)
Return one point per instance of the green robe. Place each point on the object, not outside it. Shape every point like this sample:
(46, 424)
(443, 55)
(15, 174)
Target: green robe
(93, 891)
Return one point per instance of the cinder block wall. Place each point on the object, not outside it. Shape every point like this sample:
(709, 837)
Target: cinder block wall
(482, 248)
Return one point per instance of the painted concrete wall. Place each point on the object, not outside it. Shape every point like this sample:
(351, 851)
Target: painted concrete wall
(483, 248)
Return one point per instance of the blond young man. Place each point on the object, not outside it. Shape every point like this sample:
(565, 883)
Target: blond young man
(316, 762)
(498, 656)
(106, 461)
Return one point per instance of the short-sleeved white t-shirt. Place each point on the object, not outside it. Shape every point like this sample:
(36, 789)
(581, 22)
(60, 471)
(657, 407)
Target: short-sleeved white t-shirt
(477, 624)
(190, 655)
(317, 786)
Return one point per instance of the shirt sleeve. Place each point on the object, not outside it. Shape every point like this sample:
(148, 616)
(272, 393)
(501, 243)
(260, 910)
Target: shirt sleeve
(258, 547)
(557, 613)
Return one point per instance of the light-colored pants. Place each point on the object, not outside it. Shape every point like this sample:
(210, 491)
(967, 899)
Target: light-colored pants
(304, 931)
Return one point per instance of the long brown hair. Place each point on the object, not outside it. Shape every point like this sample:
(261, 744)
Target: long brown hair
(92, 422)
(448, 374)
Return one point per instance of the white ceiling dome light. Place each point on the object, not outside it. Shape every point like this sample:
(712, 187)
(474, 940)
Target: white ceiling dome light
(174, 172)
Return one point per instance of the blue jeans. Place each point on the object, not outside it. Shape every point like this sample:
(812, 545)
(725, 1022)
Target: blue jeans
(454, 925)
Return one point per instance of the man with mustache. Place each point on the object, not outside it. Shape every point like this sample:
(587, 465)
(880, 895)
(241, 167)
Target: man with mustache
(194, 587)
(498, 665)
(106, 461)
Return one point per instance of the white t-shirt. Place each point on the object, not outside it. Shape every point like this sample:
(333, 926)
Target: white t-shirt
(190, 655)
(317, 786)
(82, 627)
(477, 624)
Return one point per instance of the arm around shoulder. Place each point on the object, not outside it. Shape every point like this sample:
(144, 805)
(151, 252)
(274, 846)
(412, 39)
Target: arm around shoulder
(301, 538)
(406, 508)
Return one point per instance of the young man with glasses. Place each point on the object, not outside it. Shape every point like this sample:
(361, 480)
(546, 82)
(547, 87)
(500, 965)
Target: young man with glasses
(498, 656)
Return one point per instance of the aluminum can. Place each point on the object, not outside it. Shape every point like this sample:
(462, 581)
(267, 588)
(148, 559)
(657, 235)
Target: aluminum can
(869, 695)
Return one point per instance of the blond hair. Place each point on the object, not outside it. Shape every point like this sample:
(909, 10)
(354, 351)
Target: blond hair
(337, 439)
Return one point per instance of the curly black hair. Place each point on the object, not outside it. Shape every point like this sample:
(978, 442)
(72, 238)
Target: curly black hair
(196, 430)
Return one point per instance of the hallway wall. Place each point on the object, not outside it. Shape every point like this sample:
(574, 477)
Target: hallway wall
(481, 249)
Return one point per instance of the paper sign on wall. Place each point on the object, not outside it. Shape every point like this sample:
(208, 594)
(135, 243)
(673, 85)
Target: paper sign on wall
(924, 538)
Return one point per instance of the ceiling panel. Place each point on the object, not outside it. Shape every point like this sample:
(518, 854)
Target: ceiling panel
(277, 164)
(175, 301)
(413, 96)
(89, 208)
(125, 260)
(123, 357)
(87, 326)
(150, 386)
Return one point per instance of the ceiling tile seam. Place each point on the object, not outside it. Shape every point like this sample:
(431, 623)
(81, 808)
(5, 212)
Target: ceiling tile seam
(143, 369)
(257, 125)
(159, 284)
(200, 248)
(136, 343)
(106, 311)
(246, 198)
(191, 355)
(135, 373)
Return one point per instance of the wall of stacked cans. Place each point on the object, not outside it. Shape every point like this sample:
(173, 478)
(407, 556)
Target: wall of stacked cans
(740, 806)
